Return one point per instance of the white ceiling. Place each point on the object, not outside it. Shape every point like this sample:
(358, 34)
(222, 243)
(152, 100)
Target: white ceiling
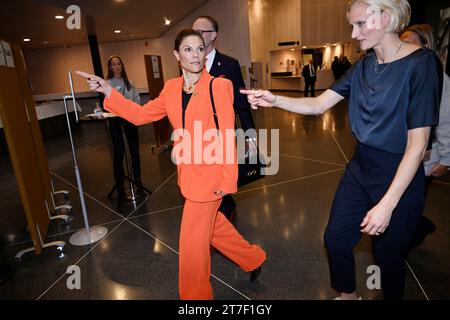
(137, 19)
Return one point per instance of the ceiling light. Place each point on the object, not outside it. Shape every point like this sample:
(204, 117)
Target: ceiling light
(26, 40)
(167, 21)
(304, 47)
(59, 17)
(117, 31)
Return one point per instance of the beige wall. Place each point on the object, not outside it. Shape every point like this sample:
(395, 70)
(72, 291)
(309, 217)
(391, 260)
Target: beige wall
(312, 22)
(272, 21)
(264, 22)
(324, 21)
(48, 67)
(258, 16)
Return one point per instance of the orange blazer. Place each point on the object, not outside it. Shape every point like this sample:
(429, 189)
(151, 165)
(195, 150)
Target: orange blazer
(198, 182)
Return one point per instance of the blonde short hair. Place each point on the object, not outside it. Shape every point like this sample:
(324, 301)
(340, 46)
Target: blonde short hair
(400, 12)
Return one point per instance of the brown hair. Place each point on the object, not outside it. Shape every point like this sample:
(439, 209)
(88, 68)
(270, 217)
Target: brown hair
(123, 74)
(424, 32)
(184, 34)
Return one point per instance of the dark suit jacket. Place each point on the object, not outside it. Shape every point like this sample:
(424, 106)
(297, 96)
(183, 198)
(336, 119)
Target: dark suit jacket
(227, 67)
(306, 74)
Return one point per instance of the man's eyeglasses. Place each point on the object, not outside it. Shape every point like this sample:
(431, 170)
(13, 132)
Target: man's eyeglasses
(203, 31)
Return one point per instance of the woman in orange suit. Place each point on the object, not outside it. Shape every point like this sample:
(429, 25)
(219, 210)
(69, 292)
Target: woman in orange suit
(186, 101)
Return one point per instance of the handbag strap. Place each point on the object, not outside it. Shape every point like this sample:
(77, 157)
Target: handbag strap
(211, 95)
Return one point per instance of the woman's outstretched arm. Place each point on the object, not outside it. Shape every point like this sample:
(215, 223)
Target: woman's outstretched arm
(124, 108)
(307, 106)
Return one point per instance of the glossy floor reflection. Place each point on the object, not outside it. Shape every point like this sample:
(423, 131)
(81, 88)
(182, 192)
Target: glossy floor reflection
(285, 213)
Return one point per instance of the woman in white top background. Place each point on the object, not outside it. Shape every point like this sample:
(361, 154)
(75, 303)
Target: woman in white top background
(117, 77)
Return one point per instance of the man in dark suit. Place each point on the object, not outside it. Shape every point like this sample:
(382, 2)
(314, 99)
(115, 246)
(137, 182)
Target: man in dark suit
(220, 65)
(309, 74)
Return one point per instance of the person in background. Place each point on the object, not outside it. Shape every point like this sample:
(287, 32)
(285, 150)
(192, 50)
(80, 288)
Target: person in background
(118, 79)
(186, 101)
(309, 74)
(346, 65)
(437, 159)
(335, 68)
(394, 96)
(221, 65)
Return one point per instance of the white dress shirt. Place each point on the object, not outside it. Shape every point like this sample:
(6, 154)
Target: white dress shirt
(209, 59)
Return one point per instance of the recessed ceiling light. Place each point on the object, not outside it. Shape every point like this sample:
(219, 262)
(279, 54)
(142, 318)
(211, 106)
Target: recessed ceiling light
(304, 47)
(59, 17)
(117, 31)
(26, 40)
(167, 21)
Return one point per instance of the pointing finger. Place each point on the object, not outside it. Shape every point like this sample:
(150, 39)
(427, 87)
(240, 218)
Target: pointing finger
(85, 74)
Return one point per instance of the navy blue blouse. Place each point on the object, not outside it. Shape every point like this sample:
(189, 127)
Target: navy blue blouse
(387, 100)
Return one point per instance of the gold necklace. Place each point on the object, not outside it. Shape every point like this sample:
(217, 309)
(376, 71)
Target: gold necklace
(190, 88)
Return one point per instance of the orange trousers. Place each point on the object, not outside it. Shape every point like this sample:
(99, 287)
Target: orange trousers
(203, 226)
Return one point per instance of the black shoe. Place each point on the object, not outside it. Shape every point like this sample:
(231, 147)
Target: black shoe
(255, 274)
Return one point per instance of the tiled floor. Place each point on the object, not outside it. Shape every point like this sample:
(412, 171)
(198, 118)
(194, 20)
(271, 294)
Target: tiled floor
(285, 213)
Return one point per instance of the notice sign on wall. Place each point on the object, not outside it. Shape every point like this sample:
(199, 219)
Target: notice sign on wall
(155, 66)
(8, 54)
(2, 56)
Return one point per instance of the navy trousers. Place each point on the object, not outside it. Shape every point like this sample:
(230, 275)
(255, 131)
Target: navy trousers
(367, 177)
